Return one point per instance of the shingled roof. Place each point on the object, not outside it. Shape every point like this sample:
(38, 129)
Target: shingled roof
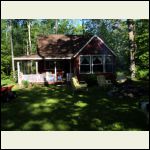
(58, 45)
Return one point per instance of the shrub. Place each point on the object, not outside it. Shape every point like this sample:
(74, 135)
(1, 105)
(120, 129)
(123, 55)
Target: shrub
(4, 76)
(142, 73)
(8, 81)
(25, 83)
(91, 80)
(16, 76)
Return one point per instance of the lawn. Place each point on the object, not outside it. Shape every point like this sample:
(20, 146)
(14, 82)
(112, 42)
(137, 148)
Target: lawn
(55, 108)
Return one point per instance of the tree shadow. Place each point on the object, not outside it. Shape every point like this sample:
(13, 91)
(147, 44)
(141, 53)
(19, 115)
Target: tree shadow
(55, 108)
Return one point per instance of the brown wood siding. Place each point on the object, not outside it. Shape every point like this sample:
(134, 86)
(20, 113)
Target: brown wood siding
(95, 47)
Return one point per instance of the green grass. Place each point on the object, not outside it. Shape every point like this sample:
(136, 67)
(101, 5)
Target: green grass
(55, 108)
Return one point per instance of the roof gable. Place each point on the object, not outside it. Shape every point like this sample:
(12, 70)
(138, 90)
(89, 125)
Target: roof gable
(95, 36)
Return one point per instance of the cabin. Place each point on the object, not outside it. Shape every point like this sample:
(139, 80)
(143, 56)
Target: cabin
(60, 56)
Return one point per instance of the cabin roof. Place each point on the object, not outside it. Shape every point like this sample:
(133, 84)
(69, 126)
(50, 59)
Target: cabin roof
(60, 46)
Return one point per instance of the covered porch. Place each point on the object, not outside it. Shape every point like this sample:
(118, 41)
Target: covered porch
(35, 69)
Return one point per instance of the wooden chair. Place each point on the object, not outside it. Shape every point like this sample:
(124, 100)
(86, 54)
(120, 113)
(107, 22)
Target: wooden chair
(102, 82)
(76, 86)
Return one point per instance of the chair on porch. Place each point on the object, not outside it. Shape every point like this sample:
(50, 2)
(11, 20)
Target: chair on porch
(102, 82)
(76, 86)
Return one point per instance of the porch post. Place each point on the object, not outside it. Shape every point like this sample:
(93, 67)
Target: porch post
(55, 71)
(18, 69)
(36, 63)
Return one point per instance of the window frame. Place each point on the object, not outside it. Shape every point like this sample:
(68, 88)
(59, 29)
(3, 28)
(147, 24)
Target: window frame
(91, 64)
(84, 64)
(97, 64)
(109, 63)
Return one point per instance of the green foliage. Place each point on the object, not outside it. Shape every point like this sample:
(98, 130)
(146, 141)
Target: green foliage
(7, 81)
(14, 79)
(25, 83)
(142, 73)
(91, 79)
(142, 40)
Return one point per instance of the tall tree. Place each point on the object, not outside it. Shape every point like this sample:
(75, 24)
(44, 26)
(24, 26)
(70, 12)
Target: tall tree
(132, 45)
(29, 35)
(12, 48)
(56, 26)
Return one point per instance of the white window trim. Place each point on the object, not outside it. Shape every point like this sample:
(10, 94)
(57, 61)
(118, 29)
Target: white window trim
(91, 64)
(85, 64)
(95, 64)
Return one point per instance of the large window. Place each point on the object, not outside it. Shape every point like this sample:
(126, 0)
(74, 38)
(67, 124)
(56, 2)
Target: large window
(85, 63)
(108, 64)
(95, 63)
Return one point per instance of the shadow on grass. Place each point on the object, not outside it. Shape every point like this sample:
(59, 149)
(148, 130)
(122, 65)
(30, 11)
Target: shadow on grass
(55, 108)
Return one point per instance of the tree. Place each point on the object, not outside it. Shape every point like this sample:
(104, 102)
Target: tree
(5, 49)
(142, 52)
(12, 49)
(29, 36)
(56, 26)
(132, 46)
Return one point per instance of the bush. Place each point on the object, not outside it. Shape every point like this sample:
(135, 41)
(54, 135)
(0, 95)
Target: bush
(4, 76)
(16, 76)
(91, 80)
(5, 82)
(25, 83)
(142, 73)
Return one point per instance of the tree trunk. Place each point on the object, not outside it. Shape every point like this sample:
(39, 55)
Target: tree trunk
(83, 26)
(132, 45)
(12, 49)
(56, 26)
(27, 47)
(29, 36)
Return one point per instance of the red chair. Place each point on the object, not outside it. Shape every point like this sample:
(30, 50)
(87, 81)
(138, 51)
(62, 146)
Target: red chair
(7, 94)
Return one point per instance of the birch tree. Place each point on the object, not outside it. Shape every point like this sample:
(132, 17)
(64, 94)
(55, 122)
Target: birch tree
(29, 35)
(132, 45)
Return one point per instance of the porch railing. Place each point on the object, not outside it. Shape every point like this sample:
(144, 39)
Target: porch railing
(40, 78)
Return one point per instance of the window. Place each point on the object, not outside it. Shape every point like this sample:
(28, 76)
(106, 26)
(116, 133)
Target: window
(49, 65)
(97, 64)
(28, 67)
(108, 64)
(85, 64)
